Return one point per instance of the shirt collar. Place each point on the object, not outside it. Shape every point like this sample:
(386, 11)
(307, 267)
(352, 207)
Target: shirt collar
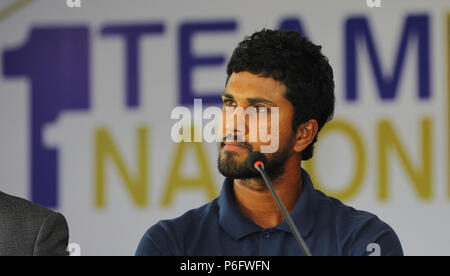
(230, 218)
(238, 226)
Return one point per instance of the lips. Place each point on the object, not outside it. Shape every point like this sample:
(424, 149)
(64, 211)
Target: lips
(235, 146)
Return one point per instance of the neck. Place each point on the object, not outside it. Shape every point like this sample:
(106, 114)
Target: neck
(256, 202)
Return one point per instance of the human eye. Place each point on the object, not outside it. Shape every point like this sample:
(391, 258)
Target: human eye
(227, 102)
(262, 109)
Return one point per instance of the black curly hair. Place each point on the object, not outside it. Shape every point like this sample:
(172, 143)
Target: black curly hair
(295, 61)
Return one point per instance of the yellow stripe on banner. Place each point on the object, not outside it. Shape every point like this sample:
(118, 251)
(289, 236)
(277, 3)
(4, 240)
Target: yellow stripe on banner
(13, 8)
(447, 46)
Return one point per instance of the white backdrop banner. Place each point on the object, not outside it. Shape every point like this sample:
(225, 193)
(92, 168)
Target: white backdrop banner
(87, 88)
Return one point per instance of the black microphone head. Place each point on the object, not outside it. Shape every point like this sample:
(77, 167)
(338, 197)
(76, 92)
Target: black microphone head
(254, 157)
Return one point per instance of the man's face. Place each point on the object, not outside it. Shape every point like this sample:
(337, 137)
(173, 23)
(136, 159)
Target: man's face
(247, 90)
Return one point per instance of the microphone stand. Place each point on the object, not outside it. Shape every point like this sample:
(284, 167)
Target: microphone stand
(287, 217)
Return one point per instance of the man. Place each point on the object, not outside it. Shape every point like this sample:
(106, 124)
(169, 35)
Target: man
(27, 229)
(285, 70)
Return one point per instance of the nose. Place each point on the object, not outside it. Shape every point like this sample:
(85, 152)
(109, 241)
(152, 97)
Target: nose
(235, 123)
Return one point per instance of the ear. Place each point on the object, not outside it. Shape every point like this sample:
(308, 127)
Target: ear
(305, 135)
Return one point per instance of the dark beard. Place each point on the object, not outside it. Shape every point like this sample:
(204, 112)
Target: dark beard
(229, 167)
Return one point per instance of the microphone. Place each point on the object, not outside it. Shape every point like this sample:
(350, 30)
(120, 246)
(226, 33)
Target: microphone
(255, 162)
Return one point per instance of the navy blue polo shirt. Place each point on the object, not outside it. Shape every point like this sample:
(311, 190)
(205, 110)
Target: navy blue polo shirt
(218, 228)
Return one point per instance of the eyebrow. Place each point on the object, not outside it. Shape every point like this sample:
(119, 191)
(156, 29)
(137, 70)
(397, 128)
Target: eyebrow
(250, 100)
